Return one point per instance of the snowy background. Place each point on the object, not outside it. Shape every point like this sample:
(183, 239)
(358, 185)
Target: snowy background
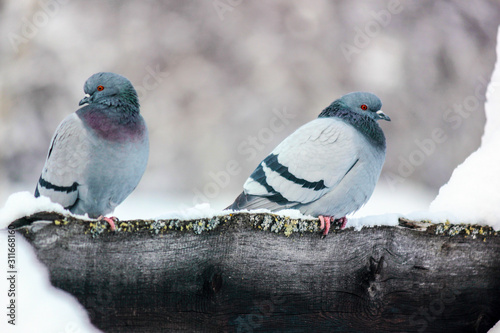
(212, 79)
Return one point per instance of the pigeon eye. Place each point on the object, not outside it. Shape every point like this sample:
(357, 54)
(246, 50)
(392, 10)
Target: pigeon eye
(100, 88)
(364, 107)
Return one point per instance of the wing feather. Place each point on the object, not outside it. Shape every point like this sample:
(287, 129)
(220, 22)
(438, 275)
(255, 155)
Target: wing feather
(309, 163)
(66, 162)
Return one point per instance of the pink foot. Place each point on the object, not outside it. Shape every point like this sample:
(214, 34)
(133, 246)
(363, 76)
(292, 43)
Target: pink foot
(324, 223)
(111, 221)
(344, 222)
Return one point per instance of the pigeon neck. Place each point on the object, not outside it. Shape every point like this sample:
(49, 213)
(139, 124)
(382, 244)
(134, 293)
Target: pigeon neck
(130, 106)
(113, 124)
(365, 124)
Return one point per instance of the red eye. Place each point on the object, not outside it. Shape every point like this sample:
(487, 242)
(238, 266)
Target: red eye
(100, 88)
(364, 107)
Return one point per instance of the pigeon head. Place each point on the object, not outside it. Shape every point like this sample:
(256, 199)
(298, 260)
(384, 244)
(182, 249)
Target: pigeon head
(110, 89)
(362, 103)
(361, 110)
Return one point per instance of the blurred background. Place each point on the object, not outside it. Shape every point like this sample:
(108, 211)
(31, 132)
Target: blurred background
(222, 82)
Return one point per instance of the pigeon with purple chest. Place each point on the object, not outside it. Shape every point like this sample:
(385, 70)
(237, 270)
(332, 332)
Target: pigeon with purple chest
(99, 153)
(327, 168)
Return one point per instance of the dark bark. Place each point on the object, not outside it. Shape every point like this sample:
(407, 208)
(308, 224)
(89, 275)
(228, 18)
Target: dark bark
(232, 273)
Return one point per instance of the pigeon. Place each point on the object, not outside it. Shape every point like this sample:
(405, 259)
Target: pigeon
(99, 153)
(327, 168)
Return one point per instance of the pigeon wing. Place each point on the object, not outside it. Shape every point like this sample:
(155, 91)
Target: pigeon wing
(308, 164)
(67, 159)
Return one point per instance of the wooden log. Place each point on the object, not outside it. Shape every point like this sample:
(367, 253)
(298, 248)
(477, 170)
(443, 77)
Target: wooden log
(266, 273)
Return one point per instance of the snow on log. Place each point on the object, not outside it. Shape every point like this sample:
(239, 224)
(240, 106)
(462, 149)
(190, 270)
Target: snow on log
(248, 272)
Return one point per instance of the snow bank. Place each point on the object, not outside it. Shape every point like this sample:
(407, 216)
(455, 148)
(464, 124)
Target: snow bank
(472, 194)
(39, 306)
(24, 203)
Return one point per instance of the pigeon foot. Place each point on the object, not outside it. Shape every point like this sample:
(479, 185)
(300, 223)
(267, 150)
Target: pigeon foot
(325, 223)
(111, 221)
(343, 220)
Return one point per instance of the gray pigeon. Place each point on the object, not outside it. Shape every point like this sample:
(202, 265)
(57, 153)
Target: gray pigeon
(99, 153)
(326, 168)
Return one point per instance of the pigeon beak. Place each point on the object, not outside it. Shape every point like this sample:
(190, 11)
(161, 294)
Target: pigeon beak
(85, 100)
(382, 115)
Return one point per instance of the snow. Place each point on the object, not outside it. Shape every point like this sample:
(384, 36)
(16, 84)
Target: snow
(40, 307)
(24, 203)
(495, 329)
(199, 211)
(404, 199)
(471, 195)
(386, 200)
(292, 213)
(204, 210)
(373, 220)
(149, 205)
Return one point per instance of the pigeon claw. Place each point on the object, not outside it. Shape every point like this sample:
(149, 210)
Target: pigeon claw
(325, 223)
(343, 220)
(111, 221)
